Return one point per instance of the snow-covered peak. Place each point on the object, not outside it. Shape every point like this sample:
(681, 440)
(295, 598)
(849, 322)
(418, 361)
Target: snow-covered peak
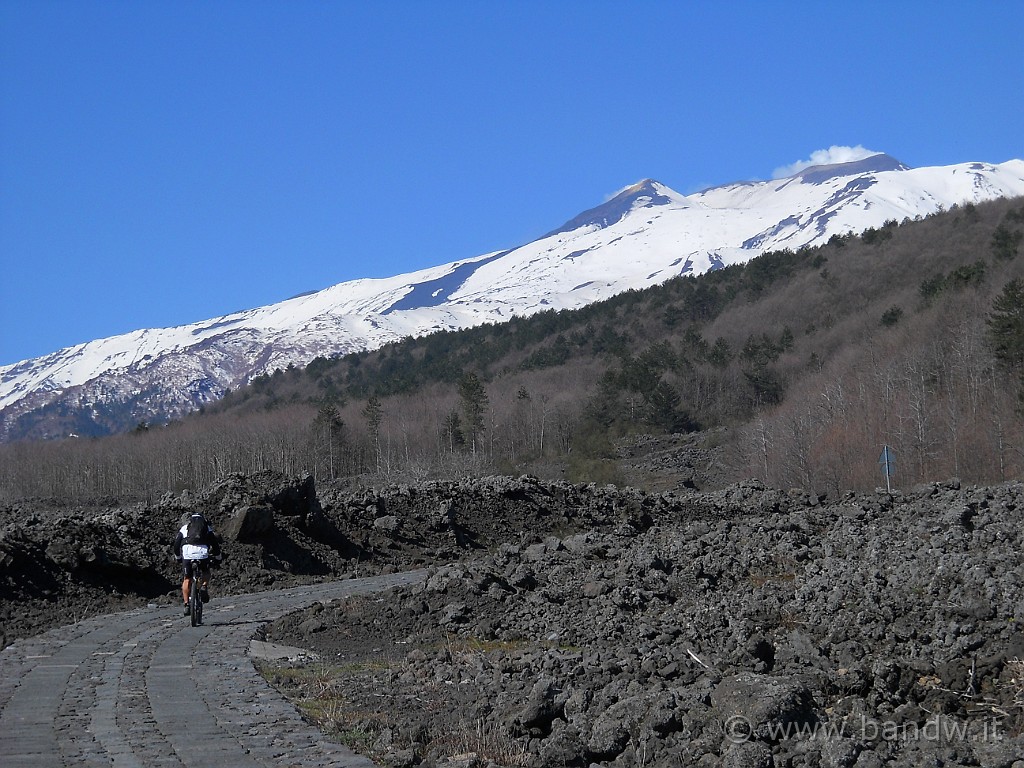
(647, 193)
(816, 174)
(642, 235)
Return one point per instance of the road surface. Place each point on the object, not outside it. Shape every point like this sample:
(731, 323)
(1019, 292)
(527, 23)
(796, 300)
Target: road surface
(144, 689)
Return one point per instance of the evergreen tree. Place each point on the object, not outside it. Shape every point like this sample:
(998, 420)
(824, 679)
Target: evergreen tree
(787, 339)
(1006, 332)
(1006, 326)
(451, 431)
(473, 399)
(374, 414)
(1006, 242)
(663, 408)
(328, 441)
(721, 353)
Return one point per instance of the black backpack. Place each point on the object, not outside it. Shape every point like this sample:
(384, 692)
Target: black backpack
(196, 531)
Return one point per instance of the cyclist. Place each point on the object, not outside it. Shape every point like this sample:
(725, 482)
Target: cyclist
(196, 541)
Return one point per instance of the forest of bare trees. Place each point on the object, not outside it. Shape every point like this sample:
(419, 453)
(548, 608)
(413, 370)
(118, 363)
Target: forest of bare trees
(406, 439)
(944, 410)
(909, 337)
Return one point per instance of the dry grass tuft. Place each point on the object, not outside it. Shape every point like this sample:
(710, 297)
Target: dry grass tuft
(487, 741)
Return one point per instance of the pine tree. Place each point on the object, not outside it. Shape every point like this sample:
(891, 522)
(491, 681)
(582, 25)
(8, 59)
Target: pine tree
(1006, 332)
(474, 403)
(663, 408)
(374, 414)
(1006, 242)
(328, 440)
(451, 431)
(1006, 327)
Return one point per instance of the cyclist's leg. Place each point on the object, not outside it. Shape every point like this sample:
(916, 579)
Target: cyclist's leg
(186, 582)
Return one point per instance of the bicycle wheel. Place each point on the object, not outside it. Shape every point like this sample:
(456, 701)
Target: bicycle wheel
(195, 604)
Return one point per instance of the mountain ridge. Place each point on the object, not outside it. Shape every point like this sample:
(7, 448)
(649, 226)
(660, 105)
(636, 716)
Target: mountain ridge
(645, 234)
(875, 163)
(612, 211)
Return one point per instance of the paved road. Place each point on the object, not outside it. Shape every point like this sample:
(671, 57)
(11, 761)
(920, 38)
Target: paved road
(144, 689)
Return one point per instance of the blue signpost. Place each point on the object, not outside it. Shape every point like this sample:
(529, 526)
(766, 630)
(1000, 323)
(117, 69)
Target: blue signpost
(888, 462)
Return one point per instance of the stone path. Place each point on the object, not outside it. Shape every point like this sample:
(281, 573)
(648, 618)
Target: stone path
(145, 689)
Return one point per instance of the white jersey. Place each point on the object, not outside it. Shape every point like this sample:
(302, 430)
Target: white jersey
(193, 551)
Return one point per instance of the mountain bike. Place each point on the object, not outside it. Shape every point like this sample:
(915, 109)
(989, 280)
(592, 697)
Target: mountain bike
(195, 600)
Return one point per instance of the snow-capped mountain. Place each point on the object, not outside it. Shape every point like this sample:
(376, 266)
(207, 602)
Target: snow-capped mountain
(644, 235)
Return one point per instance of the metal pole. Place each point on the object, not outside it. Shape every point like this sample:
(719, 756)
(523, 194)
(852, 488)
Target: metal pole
(886, 466)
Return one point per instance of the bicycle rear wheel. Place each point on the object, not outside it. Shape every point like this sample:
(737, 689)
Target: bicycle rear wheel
(195, 604)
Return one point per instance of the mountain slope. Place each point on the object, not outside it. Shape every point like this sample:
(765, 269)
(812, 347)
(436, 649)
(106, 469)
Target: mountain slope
(644, 235)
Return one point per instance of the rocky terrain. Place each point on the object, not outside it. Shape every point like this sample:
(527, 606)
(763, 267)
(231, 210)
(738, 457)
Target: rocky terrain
(573, 624)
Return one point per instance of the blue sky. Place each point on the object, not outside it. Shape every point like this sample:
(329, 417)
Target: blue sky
(167, 162)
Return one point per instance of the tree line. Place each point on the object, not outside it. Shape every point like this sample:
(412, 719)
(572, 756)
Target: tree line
(814, 360)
